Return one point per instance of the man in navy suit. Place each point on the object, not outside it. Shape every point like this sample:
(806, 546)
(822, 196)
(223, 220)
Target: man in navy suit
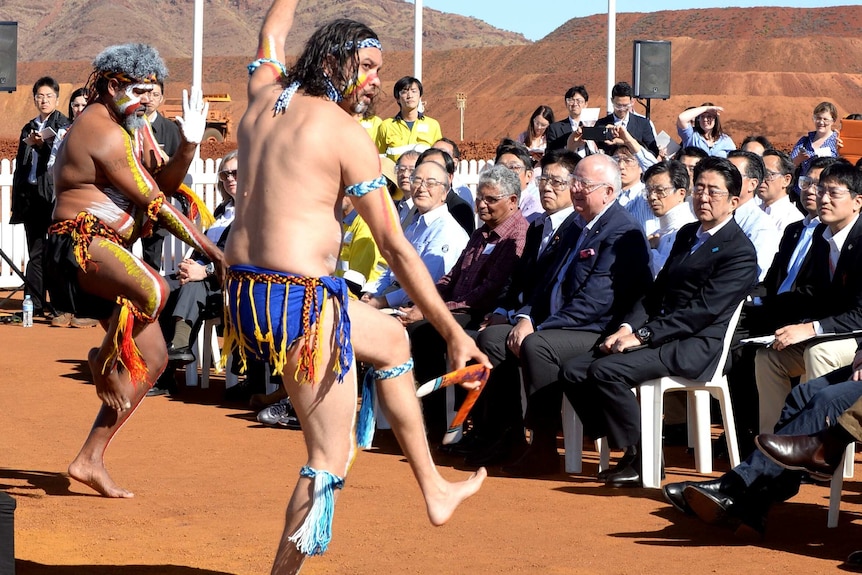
(677, 328)
(603, 271)
(638, 126)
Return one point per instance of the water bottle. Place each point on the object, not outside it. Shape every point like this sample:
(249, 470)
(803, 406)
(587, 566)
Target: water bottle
(27, 316)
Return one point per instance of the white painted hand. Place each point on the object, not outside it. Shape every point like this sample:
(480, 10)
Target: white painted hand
(194, 119)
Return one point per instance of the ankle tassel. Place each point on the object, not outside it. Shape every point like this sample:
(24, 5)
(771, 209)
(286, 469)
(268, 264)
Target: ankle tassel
(315, 533)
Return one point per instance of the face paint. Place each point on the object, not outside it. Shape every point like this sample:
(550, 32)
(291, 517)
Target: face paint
(128, 102)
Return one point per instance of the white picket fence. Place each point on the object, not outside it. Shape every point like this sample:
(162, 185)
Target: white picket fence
(202, 178)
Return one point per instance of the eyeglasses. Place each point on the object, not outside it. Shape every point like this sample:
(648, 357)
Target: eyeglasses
(44, 97)
(622, 107)
(770, 175)
(227, 174)
(427, 182)
(586, 187)
(707, 117)
(713, 194)
(575, 101)
(832, 192)
(821, 120)
(517, 168)
(624, 160)
(556, 183)
(659, 191)
(403, 170)
(805, 183)
(489, 200)
(408, 91)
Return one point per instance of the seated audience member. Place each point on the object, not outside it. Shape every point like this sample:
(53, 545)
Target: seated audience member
(666, 188)
(403, 172)
(677, 328)
(557, 136)
(706, 132)
(195, 292)
(642, 155)
(639, 127)
(633, 197)
(515, 156)
(756, 144)
(776, 202)
(410, 126)
(451, 148)
(435, 234)
(753, 221)
(360, 261)
(689, 157)
(534, 137)
(742, 497)
(828, 299)
(546, 239)
(602, 272)
(767, 313)
(478, 278)
(460, 210)
(822, 142)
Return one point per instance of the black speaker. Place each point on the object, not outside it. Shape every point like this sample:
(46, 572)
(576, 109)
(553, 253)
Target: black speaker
(651, 69)
(8, 56)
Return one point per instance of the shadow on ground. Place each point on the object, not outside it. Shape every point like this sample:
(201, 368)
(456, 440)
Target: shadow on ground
(32, 568)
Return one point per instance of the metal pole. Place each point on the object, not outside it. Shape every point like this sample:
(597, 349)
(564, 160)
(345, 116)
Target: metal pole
(461, 99)
(197, 53)
(612, 47)
(417, 40)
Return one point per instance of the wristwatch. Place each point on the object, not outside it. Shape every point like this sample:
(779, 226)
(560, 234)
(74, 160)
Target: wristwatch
(644, 334)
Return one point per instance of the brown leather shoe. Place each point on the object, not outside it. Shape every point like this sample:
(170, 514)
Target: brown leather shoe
(84, 322)
(798, 452)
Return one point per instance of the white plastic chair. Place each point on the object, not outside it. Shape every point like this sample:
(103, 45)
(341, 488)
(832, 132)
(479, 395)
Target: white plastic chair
(206, 348)
(573, 441)
(844, 471)
(652, 406)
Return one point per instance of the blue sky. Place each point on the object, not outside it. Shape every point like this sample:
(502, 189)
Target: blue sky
(537, 18)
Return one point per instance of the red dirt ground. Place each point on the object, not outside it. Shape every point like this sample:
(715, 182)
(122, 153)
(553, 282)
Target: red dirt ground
(211, 485)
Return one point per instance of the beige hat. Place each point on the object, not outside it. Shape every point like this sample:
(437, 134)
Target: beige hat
(387, 167)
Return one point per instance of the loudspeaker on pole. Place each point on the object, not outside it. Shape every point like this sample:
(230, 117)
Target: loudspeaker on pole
(651, 69)
(8, 56)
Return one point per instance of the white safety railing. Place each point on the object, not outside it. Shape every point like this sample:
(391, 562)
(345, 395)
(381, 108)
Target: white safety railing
(202, 178)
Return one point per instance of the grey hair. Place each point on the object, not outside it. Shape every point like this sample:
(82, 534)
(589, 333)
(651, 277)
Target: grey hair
(611, 170)
(136, 61)
(502, 178)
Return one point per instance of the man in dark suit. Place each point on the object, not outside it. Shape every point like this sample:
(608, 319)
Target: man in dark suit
(558, 133)
(601, 273)
(828, 299)
(766, 314)
(677, 328)
(167, 134)
(639, 127)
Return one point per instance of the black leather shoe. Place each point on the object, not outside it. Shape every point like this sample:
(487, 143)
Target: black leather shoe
(673, 494)
(713, 506)
(628, 476)
(626, 460)
(180, 355)
(854, 562)
(799, 453)
(535, 462)
(469, 444)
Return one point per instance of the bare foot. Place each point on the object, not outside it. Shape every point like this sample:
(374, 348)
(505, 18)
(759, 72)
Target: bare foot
(111, 389)
(442, 505)
(96, 476)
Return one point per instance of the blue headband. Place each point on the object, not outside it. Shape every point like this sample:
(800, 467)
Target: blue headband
(367, 43)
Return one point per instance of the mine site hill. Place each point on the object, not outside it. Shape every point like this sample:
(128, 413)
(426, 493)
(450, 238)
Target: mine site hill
(768, 67)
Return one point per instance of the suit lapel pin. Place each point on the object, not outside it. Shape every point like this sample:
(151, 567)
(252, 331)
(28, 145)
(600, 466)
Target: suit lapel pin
(715, 249)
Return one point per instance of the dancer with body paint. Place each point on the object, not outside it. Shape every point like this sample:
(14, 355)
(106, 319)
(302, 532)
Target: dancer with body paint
(281, 304)
(108, 179)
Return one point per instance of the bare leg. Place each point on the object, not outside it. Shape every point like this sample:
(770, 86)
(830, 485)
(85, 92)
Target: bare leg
(381, 340)
(89, 465)
(114, 272)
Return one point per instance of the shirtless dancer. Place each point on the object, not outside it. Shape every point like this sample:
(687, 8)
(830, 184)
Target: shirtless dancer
(108, 179)
(284, 245)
